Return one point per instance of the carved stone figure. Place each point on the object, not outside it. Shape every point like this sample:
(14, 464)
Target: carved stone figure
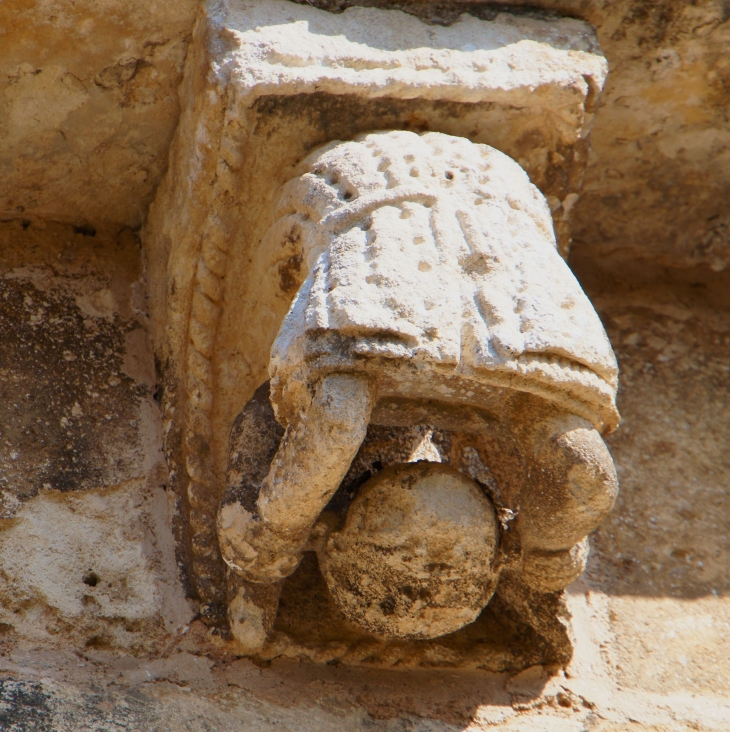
(435, 300)
(269, 82)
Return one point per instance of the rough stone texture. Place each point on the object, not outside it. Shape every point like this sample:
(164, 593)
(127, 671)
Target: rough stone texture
(660, 140)
(77, 371)
(650, 624)
(311, 461)
(428, 252)
(88, 105)
(652, 616)
(423, 527)
(663, 552)
(299, 617)
(86, 557)
(215, 309)
(657, 182)
(194, 686)
(429, 275)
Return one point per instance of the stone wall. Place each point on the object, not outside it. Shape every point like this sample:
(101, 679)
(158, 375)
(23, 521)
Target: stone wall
(100, 622)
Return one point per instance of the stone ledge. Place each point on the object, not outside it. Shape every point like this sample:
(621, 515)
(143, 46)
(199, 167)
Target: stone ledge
(281, 48)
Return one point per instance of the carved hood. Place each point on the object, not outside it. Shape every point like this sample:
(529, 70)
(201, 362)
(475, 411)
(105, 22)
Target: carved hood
(436, 251)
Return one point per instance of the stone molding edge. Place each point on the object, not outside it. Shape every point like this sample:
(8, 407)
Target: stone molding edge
(423, 61)
(205, 281)
(186, 309)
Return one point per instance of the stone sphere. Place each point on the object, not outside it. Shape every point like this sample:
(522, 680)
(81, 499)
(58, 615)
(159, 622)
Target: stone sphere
(414, 557)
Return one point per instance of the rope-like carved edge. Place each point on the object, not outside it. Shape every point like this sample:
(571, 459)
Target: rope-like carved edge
(208, 571)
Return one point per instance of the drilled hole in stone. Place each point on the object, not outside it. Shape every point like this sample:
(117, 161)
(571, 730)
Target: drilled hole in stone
(449, 175)
(85, 230)
(98, 641)
(91, 579)
(564, 700)
(388, 605)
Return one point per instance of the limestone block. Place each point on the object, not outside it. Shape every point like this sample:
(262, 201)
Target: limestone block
(275, 48)
(87, 556)
(77, 369)
(93, 569)
(267, 82)
(88, 105)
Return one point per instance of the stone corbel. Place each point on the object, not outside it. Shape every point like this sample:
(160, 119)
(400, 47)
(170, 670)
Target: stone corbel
(266, 84)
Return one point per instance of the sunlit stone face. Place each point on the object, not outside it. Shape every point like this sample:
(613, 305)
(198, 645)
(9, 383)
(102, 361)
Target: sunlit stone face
(414, 558)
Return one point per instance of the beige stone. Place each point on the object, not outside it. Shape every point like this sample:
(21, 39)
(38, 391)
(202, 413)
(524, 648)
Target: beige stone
(88, 105)
(660, 138)
(92, 570)
(88, 102)
(428, 250)
(87, 556)
(414, 558)
(253, 110)
(314, 455)
(297, 617)
(432, 279)
(660, 134)
(282, 49)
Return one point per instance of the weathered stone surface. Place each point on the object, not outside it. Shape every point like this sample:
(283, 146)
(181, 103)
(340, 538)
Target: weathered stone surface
(651, 615)
(660, 141)
(252, 114)
(663, 552)
(657, 181)
(431, 277)
(660, 613)
(86, 556)
(429, 250)
(92, 570)
(414, 558)
(88, 105)
(305, 620)
(77, 369)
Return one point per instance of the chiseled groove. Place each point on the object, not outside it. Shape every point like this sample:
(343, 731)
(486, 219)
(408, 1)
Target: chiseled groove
(205, 315)
(554, 360)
